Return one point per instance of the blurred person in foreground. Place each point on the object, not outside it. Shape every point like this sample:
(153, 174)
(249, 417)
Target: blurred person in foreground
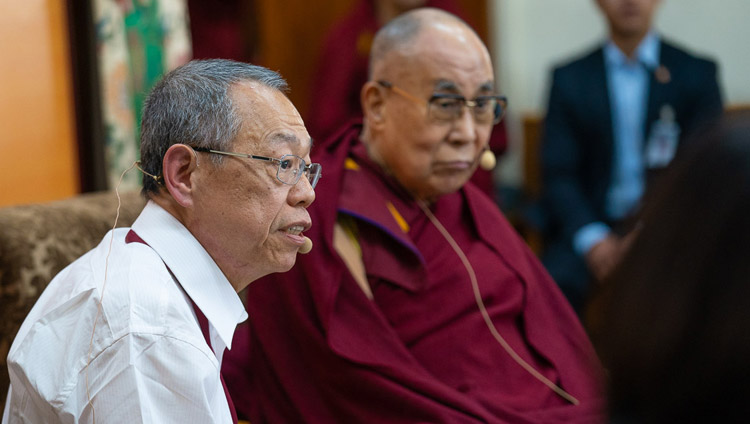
(616, 118)
(676, 332)
(225, 158)
(418, 303)
(342, 70)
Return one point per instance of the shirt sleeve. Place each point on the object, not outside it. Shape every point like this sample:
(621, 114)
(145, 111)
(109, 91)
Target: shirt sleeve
(151, 379)
(6, 410)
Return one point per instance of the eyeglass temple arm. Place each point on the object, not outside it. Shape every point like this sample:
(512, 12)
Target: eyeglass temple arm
(235, 154)
(401, 92)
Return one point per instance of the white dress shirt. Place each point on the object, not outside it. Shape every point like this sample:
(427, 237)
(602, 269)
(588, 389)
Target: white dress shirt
(148, 360)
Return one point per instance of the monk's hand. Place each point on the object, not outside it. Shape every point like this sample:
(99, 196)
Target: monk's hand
(603, 256)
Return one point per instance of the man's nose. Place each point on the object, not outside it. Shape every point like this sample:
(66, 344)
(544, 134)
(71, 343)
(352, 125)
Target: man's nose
(302, 193)
(464, 128)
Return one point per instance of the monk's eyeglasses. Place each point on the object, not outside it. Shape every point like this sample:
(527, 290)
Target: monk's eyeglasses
(290, 167)
(449, 107)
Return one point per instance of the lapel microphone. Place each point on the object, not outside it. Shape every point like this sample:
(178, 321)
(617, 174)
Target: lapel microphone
(487, 160)
(306, 247)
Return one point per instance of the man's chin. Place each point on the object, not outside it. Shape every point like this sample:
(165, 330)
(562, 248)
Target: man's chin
(632, 29)
(453, 183)
(288, 262)
(440, 191)
(282, 263)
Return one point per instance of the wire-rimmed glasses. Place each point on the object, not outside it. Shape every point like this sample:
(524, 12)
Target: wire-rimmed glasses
(290, 170)
(449, 107)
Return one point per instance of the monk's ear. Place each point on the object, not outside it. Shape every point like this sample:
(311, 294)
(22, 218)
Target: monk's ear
(372, 97)
(179, 163)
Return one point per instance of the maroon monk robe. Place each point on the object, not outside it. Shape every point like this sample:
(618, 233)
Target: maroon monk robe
(447, 334)
(217, 29)
(342, 71)
(318, 350)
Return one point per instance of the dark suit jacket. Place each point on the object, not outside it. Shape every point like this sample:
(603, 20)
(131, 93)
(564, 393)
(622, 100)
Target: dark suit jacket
(577, 146)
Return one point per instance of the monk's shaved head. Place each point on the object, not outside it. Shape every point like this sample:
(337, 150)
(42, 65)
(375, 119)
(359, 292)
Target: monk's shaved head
(400, 33)
(422, 55)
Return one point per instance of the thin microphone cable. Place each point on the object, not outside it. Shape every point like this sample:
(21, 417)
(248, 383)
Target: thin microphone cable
(483, 310)
(101, 297)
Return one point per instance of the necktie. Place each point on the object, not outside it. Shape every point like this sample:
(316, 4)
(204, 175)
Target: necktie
(202, 321)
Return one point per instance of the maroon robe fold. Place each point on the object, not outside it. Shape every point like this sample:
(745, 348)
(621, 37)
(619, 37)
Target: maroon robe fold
(317, 350)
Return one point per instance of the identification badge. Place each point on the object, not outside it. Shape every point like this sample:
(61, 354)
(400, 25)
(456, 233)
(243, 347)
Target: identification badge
(662, 143)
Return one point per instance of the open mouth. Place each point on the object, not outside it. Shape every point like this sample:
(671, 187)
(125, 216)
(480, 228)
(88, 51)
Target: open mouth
(295, 230)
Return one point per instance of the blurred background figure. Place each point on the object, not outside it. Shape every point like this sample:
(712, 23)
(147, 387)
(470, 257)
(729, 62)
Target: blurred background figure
(676, 332)
(342, 70)
(225, 29)
(616, 118)
(343, 62)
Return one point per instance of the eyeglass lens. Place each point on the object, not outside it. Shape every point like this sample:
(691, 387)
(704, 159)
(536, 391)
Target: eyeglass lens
(485, 109)
(292, 167)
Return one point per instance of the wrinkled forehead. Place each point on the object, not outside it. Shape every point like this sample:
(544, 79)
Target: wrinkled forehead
(445, 57)
(269, 118)
(466, 87)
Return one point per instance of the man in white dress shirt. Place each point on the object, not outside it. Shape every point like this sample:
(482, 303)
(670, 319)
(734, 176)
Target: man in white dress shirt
(135, 330)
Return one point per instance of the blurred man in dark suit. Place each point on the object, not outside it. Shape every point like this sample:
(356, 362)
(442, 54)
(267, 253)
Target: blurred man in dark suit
(616, 117)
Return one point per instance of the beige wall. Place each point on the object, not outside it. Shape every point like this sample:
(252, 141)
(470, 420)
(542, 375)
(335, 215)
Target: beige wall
(38, 156)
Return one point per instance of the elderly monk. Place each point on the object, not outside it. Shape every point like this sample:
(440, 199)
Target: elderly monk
(343, 69)
(135, 330)
(419, 303)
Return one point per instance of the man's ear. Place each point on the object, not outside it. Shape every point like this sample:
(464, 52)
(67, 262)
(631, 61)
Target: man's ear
(179, 163)
(372, 97)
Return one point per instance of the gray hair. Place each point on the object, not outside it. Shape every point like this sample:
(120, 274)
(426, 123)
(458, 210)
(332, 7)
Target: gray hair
(191, 105)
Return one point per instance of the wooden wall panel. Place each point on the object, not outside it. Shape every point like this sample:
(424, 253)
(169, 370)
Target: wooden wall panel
(290, 34)
(38, 152)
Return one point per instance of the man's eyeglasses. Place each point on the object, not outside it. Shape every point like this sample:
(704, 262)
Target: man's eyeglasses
(449, 107)
(291, 167)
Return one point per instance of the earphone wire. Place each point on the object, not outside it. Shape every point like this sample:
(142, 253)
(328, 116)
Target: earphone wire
(483, 310)
(104, 284)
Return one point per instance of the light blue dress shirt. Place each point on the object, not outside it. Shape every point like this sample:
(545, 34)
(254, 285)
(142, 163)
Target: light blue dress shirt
(628, 83)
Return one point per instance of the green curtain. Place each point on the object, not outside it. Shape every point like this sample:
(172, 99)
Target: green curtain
(137, 42)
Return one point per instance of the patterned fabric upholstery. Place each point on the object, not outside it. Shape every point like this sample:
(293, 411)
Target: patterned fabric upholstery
(39, 240)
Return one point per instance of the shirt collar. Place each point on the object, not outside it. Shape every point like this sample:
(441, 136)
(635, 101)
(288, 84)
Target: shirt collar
(193, 267)
(647, 52)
